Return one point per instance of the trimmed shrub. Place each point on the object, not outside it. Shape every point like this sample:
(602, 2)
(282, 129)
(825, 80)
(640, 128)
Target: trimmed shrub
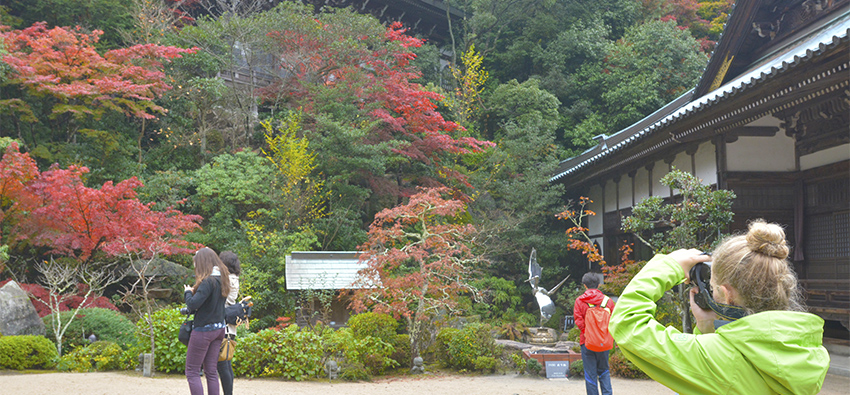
(533, 366)
(483, 363)
(620, 366)
(459, 348)
(381, 326)
(170, 354)
(107, 325)
(27, 352)
(289, 353)
(98, 356)
(577, 368)
(370, 355)
(401, 350)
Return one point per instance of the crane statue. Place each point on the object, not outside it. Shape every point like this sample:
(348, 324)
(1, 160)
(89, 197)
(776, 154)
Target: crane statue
(547, 308)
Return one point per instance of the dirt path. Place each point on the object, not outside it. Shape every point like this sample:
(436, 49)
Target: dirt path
(130, 383)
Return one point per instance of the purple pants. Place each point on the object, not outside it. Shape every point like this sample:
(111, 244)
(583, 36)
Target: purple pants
(203, 349)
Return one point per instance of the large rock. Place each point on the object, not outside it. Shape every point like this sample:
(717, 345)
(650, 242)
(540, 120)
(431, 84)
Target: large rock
(17, 314)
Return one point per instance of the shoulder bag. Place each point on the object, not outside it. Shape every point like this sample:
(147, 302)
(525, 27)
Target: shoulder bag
(185, 331)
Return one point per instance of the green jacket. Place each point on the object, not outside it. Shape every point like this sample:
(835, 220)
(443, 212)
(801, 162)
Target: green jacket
(773, 352)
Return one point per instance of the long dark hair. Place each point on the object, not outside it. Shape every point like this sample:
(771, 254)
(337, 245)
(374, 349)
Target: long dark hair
(205, 260)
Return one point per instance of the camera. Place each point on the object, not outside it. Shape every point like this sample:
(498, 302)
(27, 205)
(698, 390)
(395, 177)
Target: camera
(185, 311)
(700, 276)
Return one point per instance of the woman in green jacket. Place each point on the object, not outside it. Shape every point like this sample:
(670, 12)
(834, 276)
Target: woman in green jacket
(776, 348)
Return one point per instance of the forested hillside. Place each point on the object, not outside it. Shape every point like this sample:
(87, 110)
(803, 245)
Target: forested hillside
(334, 117)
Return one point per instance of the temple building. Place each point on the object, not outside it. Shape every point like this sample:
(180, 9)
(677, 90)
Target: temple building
(769, 120)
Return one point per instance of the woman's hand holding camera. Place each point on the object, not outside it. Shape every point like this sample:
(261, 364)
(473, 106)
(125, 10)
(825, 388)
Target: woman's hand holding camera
(187, 288)
(688, 258)
(705, 318)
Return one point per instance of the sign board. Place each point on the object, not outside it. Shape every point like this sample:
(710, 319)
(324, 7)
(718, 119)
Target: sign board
(557, 369)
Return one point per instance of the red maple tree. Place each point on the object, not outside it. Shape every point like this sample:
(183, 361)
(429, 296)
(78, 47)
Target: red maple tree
(376, 75)
(419, 262)
(64, 63)
(17, 170)
(73, 220)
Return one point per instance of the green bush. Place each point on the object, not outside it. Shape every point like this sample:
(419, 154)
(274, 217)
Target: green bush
(577, 368)
(27, 352)
(533, 366)
(106, 324)
(520, 363)
(381, 326)
(289, 353)
(401, 350)
(370, 354)
(170, 354)
(384, 327)
(486, 364)
(459, 348)
(99, 356)
(620, 366)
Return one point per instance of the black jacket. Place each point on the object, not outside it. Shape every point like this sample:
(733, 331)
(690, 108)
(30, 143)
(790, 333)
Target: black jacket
(207, 304)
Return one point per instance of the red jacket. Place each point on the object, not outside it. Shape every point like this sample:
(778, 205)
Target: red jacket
(592, 296)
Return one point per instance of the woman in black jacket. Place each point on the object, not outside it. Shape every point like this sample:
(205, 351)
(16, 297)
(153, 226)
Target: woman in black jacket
(206, 301)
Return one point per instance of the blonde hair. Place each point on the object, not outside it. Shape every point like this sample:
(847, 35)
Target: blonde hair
(205, 259)
(755, 266)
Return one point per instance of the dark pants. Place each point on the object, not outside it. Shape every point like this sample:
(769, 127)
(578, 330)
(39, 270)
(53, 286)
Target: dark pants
(596, 369)
(203, 350)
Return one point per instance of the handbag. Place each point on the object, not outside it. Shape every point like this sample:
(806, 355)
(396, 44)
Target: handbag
(185, 331)
(228, 347)
(239, 312)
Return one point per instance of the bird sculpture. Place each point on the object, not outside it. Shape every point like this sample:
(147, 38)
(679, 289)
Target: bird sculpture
(544, 301)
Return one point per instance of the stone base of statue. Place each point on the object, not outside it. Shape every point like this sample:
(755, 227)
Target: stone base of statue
(542, 336)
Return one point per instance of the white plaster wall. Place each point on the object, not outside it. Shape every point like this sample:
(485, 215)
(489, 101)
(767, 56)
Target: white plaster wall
(768, 120)
(825, 157)
(601, 242)
(706, 163)
(625, 191)
(683, 162)
(660, 170)
(610, 196)
(761, 153)
(594, 223)
(641, 184)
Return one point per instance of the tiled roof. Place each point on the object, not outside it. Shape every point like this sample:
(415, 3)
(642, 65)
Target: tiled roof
(798, 50)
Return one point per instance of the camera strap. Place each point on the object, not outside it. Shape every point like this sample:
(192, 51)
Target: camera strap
(724, 311)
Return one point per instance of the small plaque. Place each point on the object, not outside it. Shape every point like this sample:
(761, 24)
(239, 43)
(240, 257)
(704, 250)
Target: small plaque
(557, 369)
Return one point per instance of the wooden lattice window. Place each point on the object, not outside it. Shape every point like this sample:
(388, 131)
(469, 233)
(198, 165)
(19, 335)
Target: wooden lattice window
(763, 197)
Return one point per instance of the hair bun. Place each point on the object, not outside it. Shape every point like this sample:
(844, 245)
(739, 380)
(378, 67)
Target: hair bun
(767, 239)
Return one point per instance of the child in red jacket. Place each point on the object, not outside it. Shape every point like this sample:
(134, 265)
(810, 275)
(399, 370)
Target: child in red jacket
(595, 363)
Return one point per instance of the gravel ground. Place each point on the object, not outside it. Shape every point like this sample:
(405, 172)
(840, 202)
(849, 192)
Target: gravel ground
(130, 383)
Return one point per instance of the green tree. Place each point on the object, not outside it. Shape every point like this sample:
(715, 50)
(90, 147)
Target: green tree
(695, 219)
(651, 65)
(230, 188)
(110, 16)
(514, 203)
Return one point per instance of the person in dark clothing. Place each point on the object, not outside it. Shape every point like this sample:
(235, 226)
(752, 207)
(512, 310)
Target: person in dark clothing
(225, 369)
(595, 363)
(205, 299)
